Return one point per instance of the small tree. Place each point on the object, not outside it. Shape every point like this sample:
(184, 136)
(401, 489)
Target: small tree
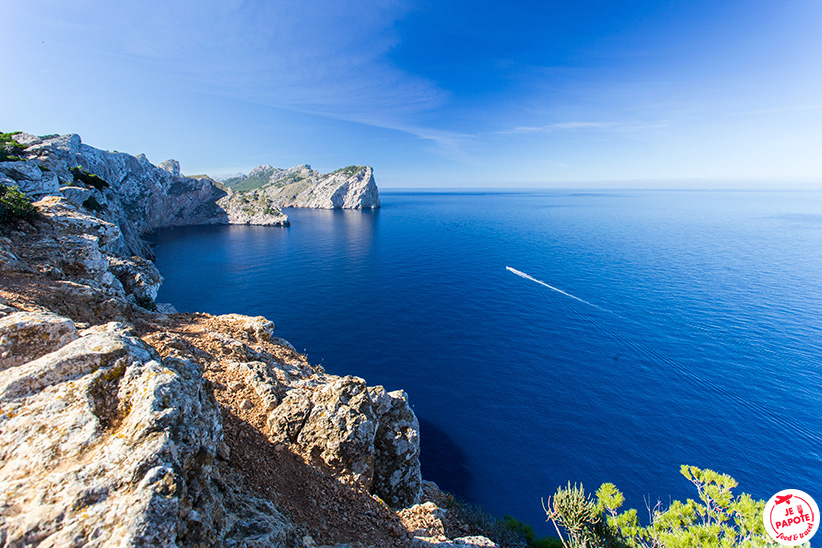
(717, 520)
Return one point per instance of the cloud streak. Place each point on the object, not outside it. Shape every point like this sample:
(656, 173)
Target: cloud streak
(614, 127)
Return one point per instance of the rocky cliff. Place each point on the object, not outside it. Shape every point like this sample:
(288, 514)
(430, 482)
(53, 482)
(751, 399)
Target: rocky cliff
(139, 197)
(124, 423)
(352, 187)
(127, 191)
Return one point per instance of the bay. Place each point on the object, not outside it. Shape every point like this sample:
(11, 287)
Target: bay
(688, 330)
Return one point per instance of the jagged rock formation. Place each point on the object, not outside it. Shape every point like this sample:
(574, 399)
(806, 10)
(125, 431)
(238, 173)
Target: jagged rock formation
(352, 187)
(131, 192)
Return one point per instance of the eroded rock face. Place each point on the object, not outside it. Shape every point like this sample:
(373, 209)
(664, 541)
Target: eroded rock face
(363, 433)
(135, 195)
(139, 277)
(300, 186)
(252, 208)
(30, 178)
(102, 443)
(338, 190)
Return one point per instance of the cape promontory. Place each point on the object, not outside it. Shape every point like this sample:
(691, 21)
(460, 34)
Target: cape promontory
(139, 197)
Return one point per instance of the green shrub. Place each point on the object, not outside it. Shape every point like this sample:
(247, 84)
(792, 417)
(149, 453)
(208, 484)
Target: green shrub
(348, 171)
(717, 520)
(9, 148)
(88, 178)
(14, 205)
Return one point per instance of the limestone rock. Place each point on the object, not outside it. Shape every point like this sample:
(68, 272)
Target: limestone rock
(30, 178)
(362, 433)
(102, 445)
(77, 195)
(255, 327)
(252, 208)
(462, 542)
(300, 186)
(137, 196)
(72, 220)
(172, 166)
(425, 520)
(25, 336)
(397, 476)
(139, 277)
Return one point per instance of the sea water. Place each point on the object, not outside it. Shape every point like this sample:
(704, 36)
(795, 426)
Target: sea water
(694, 335)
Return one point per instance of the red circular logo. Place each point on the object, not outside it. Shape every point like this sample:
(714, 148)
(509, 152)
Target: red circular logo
(791, 517)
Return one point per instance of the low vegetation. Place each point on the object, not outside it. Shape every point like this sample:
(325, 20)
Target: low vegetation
(88, 178)
(348, 171)
(717, 520)
(14, 205)
(9, 148)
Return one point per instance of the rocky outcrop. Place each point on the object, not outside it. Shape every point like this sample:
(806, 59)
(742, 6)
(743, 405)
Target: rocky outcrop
(25, 336)
(113, 435)
(139, 197)
(104, 443)
(75, 251)
(352, 187)
(30, 178)
(252, 208)
(361, 432)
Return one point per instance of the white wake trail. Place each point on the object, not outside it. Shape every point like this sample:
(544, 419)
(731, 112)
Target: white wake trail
(540, 282)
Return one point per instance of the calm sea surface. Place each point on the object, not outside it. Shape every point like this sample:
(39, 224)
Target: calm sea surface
(690, 331)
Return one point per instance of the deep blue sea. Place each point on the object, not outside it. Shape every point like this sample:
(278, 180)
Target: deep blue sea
(689, 330)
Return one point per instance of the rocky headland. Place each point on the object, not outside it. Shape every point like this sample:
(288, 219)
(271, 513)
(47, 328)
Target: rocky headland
(139, 197)
(125, 423)
(352, 187)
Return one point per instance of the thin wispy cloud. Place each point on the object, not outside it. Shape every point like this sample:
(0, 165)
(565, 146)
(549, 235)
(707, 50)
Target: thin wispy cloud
(616, 127)
(329, 59)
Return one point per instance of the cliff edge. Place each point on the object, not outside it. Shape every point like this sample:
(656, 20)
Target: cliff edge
(124, 423)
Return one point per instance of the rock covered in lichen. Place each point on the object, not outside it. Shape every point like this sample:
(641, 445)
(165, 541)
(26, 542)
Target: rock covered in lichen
(25, 336)
(362, 433)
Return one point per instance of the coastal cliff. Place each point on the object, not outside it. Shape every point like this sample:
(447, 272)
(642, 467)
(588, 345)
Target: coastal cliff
(139, 197)
(124, 423)
(351, 187)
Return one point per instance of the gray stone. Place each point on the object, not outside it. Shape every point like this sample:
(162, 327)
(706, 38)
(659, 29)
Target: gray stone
(25, 336)
(77, 195)
(139, 277)
(172, 166)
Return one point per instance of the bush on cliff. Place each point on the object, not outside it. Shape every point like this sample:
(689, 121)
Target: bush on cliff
(718, 520)
(88, 178)
(9, 148)
(14, 205)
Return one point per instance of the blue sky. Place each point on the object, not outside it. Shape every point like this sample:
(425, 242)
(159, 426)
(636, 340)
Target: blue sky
(441, 93)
